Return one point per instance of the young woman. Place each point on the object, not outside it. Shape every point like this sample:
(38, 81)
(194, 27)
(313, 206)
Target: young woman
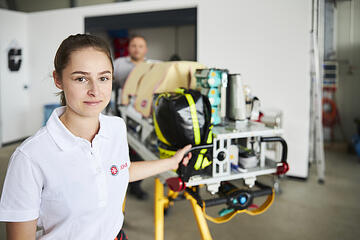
(71, 177)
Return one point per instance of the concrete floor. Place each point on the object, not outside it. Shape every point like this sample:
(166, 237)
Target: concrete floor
(304, 210)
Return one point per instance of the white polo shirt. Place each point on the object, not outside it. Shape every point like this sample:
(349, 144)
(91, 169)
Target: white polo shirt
(76, 189)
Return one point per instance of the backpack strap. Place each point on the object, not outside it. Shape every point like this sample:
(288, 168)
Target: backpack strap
(156, 125)
(193, 113)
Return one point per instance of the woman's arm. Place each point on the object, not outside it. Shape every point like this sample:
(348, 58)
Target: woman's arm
(21, 230)
(144, 169)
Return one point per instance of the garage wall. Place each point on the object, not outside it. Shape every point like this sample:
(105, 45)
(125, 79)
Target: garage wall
(266, 41)
(14, 96)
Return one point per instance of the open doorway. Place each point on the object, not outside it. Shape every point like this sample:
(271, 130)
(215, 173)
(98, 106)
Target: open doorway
(170, 34)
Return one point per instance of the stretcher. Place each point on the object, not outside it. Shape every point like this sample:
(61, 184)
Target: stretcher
(235, 200)
(253, 135)
(229, 148)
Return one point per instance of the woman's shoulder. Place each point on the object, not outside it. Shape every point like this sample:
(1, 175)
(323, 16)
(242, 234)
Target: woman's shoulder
(112, 120)
(40, 140)
(113, 127)
(112, 124)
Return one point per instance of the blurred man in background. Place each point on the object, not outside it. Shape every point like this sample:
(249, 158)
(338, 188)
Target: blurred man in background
(122, 68)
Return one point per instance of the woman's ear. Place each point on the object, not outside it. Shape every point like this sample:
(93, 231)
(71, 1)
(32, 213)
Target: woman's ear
(57, 80)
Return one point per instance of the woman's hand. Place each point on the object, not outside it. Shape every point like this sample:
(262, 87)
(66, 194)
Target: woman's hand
(180, 155)
(144, 169)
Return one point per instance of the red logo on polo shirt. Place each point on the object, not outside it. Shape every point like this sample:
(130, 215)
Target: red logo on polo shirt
(122, 166)
(114, 171)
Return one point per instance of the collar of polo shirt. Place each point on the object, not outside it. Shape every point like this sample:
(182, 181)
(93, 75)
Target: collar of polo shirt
(63, 137)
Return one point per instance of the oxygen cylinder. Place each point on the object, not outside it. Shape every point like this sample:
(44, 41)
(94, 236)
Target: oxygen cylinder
(236, 109)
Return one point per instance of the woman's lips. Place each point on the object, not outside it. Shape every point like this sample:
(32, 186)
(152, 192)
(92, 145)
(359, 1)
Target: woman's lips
(92, 103)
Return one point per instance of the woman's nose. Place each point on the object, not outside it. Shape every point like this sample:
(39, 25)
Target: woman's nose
(93, 89)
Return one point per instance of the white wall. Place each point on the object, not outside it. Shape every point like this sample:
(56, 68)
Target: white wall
(14, 99)
(266, 41)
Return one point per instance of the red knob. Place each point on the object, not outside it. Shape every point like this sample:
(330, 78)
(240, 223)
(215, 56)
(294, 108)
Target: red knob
(176, 184)
(282, 169)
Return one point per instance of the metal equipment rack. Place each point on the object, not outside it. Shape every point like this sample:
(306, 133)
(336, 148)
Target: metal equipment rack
(223, 135)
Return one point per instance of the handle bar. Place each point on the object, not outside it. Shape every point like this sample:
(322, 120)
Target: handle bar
(283, 144)
(185, 172)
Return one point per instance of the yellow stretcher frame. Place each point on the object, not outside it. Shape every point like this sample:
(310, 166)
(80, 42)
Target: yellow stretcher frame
(162, 202)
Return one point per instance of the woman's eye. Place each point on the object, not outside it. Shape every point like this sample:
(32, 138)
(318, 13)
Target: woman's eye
(104, 79)
(81, 79)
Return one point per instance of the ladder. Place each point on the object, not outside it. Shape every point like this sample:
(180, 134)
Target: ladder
(316, 147)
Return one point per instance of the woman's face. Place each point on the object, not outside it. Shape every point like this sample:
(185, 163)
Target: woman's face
(86, 82)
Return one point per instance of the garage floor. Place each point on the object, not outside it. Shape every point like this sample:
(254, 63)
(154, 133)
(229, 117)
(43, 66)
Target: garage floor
(304, 209)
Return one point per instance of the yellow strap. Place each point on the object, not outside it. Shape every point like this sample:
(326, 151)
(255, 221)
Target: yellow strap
(194, 118)
(164, 153)
(205, 163)
(198, 162)
(160, 96)
(180, 90)
(193, 113)
(202, 161)
(229, 216)
(209, 138)
(158, 131)
(156, 125)
(199, 159)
